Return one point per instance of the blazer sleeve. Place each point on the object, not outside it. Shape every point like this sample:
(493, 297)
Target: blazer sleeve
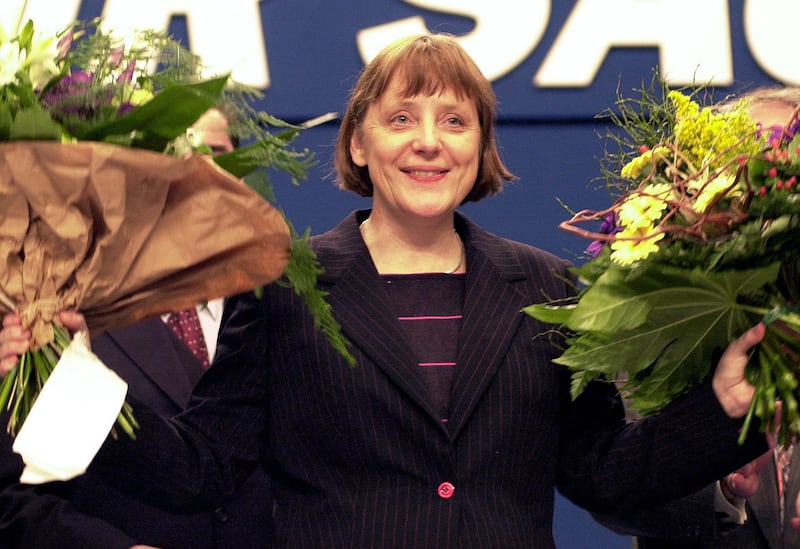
(40, 517)
(691, 517)
(194, 460)
(607, 465)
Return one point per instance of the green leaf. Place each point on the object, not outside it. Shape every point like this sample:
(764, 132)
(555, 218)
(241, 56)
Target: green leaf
(552, 314)
(5, 122)
(26, 36)
(659, 327)
(34, 123)
(613, 302)
(165, 117)
(6, 386)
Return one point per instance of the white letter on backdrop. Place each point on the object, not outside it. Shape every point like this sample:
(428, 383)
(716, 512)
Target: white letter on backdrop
(692, 37)
(505, 34)
(228, 37)
(48, 17)
(770, 27)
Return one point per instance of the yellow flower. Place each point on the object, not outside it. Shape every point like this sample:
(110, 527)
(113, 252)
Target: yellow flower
(632, 246)
(140, 96)
(636, 167)
(638, 215)
(706, 192)
(710, 139)
(644, 208)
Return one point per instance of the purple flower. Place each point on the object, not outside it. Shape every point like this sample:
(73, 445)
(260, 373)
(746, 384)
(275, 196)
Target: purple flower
(595, 248)
(68, 95)
(607, 226)
(65, 43)
(127, 75)
(779, 133)
(793, 128)
(75, 98)
(116, 56)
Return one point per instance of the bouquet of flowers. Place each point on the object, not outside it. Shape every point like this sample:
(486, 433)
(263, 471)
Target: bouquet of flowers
(106, 205)
(699, 244)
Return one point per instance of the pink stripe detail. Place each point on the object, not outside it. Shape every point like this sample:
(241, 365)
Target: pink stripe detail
(430, 317)
(436, 364)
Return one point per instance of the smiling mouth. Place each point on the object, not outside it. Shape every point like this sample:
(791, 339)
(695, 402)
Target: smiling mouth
(425, 173)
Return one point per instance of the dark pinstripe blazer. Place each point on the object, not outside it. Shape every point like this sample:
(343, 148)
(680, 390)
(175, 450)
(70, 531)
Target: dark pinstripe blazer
(359, 457)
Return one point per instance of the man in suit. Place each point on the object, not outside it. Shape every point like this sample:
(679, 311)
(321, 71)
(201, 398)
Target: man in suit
(87, 512)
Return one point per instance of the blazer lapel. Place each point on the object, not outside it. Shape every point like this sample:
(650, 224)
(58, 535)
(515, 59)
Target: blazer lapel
(356, 293)
(492, 316)
(150, 345)
(791, 537)
(765, 505)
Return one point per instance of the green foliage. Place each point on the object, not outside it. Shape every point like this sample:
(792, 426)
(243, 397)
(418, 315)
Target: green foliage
(163, 118)
(31, 123)
(657, 328)
(302, 275)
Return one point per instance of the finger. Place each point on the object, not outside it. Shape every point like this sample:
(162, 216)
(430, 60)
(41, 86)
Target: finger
(12, 319)
(731, 387)
(748, 340)
(14, 340)
(743, 487)
(7, 364)
(73, 320)
(10, 352)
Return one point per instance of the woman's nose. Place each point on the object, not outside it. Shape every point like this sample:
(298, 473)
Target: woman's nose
(427, 138)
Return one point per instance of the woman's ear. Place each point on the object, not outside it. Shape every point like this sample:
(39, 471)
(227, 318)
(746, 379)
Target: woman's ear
(357, 151)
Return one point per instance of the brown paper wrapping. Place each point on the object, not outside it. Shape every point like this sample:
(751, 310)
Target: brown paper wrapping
(124, 234)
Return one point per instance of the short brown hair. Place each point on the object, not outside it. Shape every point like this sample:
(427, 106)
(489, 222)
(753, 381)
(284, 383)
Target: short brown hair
(430, 64)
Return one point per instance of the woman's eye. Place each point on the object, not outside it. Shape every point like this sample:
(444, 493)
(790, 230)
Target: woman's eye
(454, 121)
(400, 119)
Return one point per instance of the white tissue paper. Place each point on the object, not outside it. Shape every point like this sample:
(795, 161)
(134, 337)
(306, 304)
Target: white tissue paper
(71, 417)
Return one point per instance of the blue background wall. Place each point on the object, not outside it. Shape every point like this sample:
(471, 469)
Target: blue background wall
(549, 137)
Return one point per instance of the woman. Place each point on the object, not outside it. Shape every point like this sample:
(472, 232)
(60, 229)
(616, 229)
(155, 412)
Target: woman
(454, 427)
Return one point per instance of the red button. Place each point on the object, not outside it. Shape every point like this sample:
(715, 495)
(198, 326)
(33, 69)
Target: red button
(446, 490)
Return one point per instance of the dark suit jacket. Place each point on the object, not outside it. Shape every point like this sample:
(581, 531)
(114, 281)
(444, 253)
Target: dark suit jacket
(690, 522)
(360, 457)
(88, 513)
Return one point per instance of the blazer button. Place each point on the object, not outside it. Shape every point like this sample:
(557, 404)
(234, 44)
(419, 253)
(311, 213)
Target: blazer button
(220, 515)
(446, 490)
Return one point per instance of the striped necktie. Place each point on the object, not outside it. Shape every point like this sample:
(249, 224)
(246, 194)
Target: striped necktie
(783, 460)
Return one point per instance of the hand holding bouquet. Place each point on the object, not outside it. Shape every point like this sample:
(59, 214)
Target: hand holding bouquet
(699, 244)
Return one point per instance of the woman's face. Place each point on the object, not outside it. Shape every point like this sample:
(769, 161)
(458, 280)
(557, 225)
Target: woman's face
(214, 131)
(771, 113)
(422, 152)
